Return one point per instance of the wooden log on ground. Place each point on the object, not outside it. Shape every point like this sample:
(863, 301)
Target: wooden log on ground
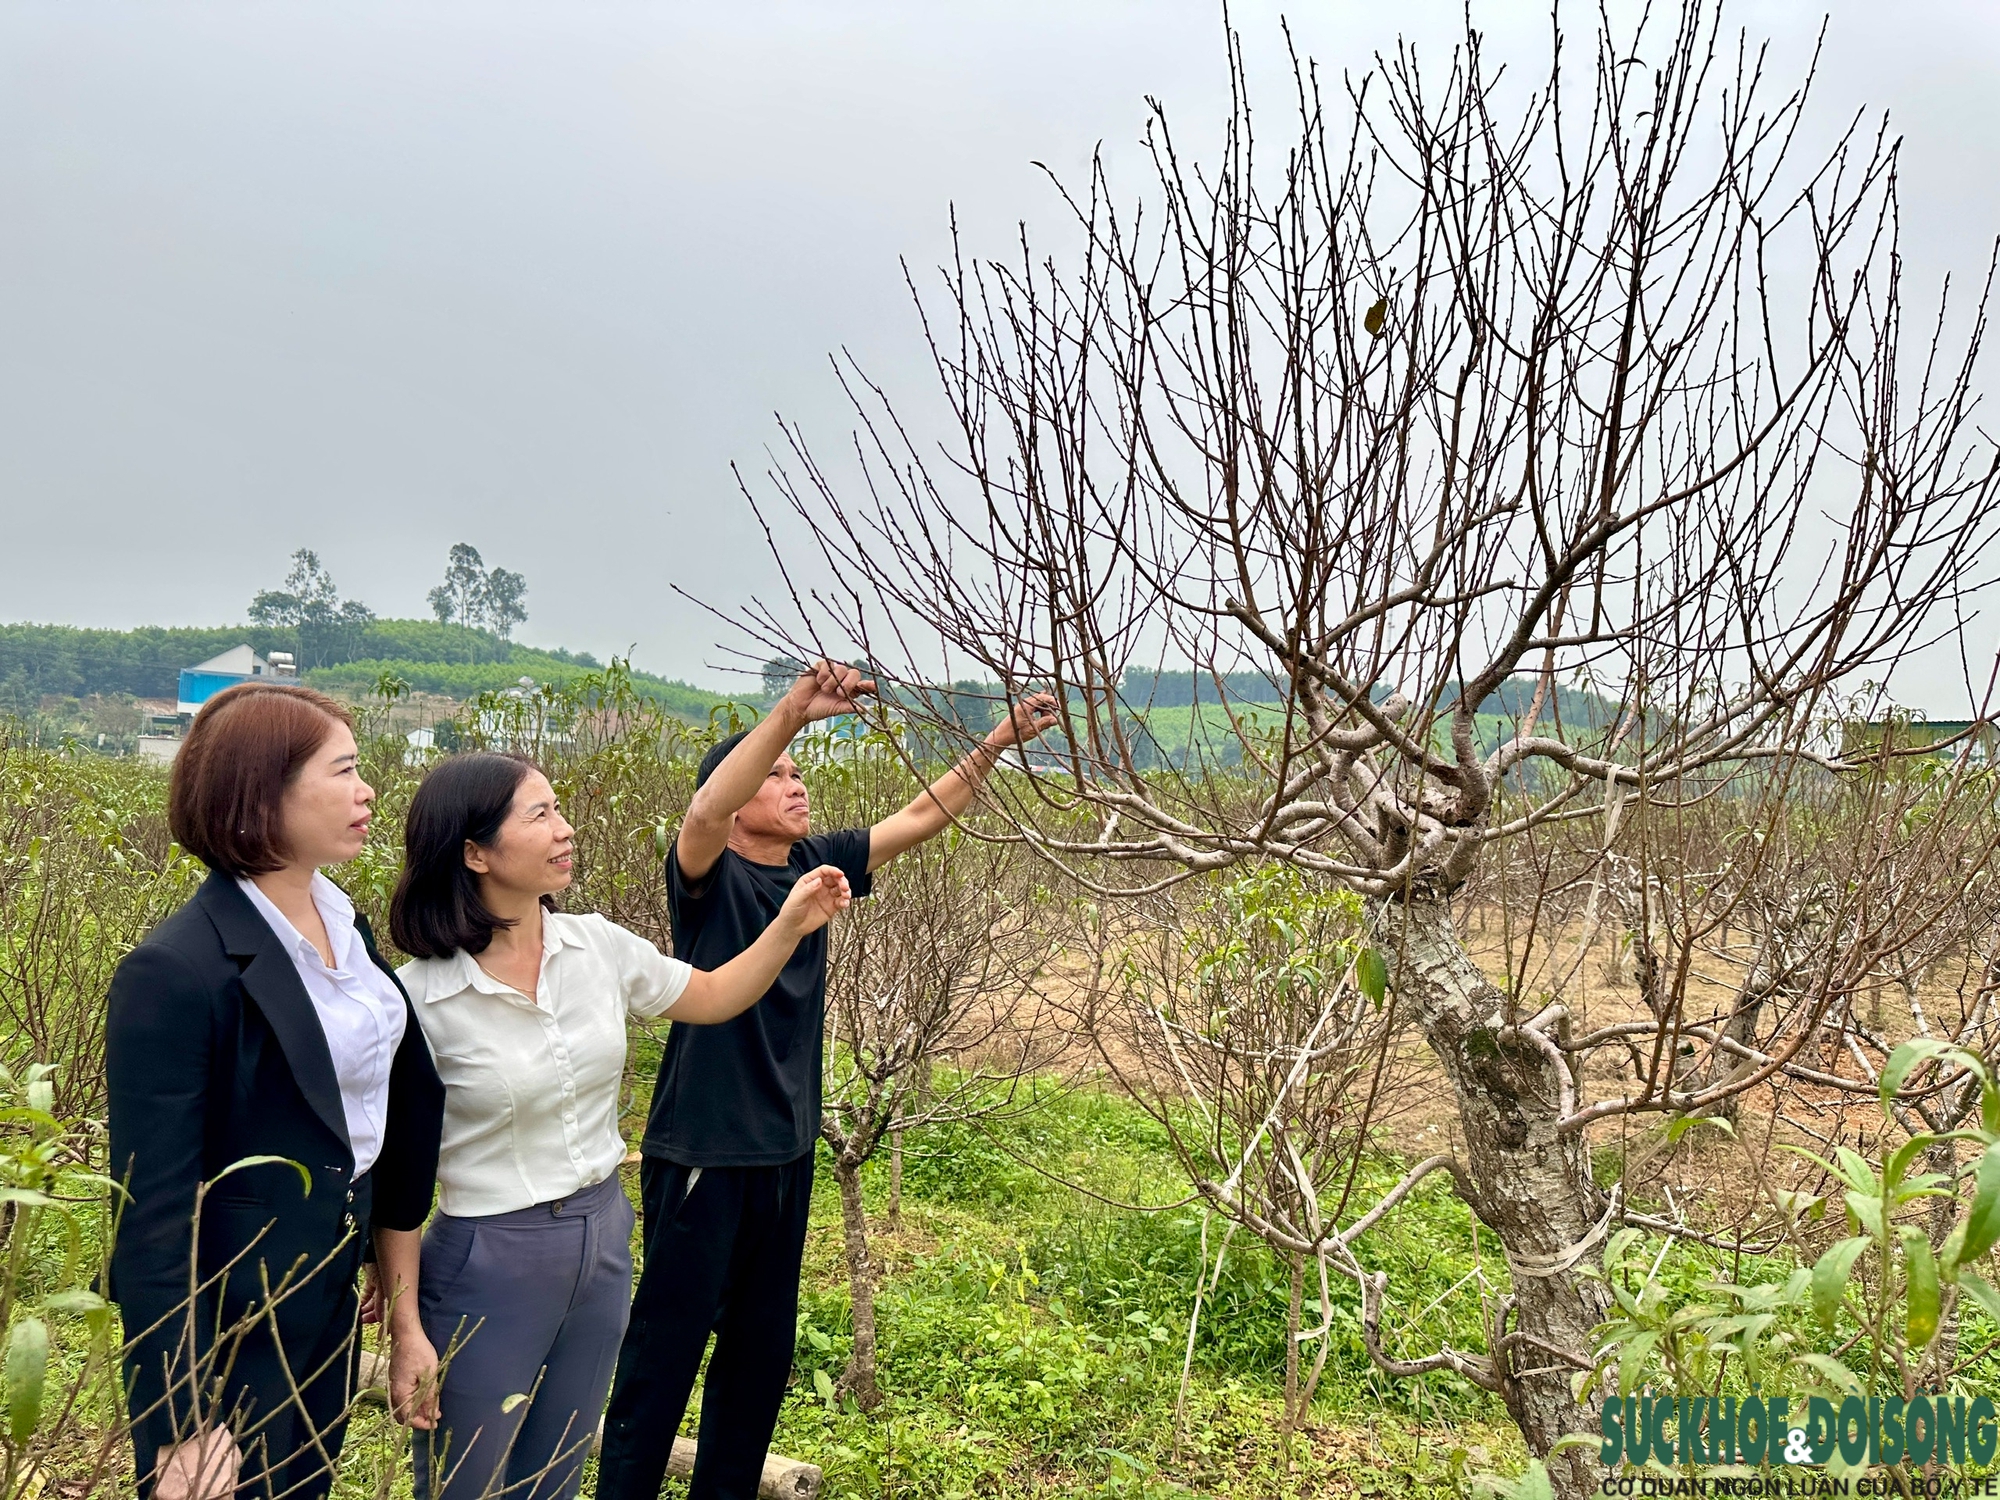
(783, 1478)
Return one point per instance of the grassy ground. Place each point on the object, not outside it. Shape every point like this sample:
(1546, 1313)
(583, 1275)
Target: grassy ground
(1033, 1337)
(1032, 1340)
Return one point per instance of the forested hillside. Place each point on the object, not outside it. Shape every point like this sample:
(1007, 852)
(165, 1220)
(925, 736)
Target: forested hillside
(63, 661)
(40, 662)
(1148, 689)
(1186, 723)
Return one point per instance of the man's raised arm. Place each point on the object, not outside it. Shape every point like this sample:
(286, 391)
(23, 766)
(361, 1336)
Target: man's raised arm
(938, 805)
(822, 690)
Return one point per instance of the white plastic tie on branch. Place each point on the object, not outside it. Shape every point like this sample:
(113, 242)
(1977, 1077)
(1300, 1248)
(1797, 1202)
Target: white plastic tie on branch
(1539, 1266)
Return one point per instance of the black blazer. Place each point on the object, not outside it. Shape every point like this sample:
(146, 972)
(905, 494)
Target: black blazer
(214, 1053)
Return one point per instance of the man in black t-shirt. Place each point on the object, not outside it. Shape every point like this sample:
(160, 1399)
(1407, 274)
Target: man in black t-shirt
(727, 1162)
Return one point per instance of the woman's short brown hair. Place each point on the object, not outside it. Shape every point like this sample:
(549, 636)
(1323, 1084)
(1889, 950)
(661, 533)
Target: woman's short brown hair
(248, 742)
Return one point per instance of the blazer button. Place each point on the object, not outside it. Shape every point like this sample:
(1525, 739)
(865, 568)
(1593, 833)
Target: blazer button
(348, 1220)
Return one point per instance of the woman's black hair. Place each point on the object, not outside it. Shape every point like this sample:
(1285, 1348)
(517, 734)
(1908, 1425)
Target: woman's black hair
(436, 910)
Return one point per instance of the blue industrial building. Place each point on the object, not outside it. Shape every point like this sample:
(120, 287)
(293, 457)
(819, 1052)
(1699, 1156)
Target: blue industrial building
(160, 738)
(238, 664)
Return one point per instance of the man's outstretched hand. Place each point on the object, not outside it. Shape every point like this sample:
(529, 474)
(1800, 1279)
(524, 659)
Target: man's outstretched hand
(951, 794)
(824, 689)
(1032, 717)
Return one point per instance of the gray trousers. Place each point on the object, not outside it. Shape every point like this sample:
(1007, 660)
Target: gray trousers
(526, 1303)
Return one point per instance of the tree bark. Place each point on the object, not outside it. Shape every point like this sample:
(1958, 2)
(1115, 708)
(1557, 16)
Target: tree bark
(1530, 1184)
(1942, 1157)
(1292, 1404)
(858, 1379)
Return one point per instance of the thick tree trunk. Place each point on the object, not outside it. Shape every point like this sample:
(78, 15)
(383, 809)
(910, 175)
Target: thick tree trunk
(1530, 1185)
(858, 1379)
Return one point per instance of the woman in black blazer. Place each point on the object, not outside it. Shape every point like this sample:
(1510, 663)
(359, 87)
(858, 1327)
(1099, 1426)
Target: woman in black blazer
(259, 1021)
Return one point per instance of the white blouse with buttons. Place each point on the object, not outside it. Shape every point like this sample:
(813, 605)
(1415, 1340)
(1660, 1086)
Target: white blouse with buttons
(358, 1009)
(532, 1086)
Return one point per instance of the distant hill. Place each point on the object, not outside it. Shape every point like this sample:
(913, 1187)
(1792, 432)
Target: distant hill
(63, 661)
(1183, 725)
(1147, 690)
(1573, 708)
(1173, 717)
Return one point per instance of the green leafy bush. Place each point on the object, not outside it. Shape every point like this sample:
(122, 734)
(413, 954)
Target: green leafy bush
(1879, 1313)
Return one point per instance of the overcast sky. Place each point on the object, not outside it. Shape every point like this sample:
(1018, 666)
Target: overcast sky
(378, 278)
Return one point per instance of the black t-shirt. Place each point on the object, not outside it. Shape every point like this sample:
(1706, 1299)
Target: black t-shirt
(746, 1093)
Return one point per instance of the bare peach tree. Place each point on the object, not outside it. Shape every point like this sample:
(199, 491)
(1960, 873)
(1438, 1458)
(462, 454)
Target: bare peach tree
(934, 1011)
(1247, 1016)
(1785, 946)
(1602, 381)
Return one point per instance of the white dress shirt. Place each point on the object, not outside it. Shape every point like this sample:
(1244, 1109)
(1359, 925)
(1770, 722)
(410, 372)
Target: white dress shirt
(358, 1009)
(531, 1086)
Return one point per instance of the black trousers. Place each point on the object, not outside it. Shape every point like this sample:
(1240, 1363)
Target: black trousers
(291, 1444)
(287, 1381)
(723, 1250)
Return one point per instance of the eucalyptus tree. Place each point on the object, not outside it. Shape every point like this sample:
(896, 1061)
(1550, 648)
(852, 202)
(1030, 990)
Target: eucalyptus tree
(326, 627)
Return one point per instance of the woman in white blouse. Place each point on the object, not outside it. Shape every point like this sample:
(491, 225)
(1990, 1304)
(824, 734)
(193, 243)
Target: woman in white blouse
(525, 1276)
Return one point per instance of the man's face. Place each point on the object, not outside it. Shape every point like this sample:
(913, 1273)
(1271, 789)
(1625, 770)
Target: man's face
(781, 808)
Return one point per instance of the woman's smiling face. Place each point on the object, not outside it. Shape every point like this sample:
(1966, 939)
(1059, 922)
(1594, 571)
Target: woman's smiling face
(534, 849)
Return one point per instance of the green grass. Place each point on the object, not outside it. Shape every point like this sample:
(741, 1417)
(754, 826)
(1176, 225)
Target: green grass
(1031, 1336)
(1186, 733)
